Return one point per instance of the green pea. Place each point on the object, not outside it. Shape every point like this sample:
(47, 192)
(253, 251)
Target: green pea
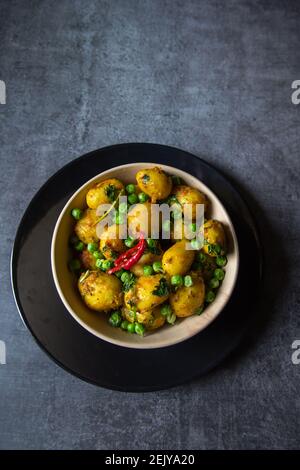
(166, 225)
(172, 199)
(130, 188)
(106, 264)
(73, 240)
(124, 325)
(157, 267)
(115, 319)
(219, 274)
(171, 318)
(199, 310)
(143, 197)
(166, 310)
(193, 227)
(131, 327)
(151, 243)
(221, 261)
(123, 208)
(125, 276)
(177, 214)
(195, 244)
(99, 263)
(77, 213)
(176, 180)
(139, 329)
(97, 254)
(74, 265)
(132, 199)
(118, 218)
(92, 247)
(210, 296)
(79, 246)
(188, 281)
(214, 283)
(148, 270)
(119, 273)
(129, 242)
(201, 257)
(177, 280)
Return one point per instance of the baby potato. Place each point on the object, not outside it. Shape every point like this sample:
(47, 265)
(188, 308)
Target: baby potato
(187, 195)
(100, 291)
(104, 192)
(154, 182)
(110, 243)
(152, 319)
(214, 234)
(186, 300)
(139, 219)
(142, 296)
(177, 260)
(85, 228)
(146, 259)
(87, 259)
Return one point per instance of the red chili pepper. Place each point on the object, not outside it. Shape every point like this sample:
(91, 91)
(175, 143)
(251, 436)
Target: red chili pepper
(130, 257)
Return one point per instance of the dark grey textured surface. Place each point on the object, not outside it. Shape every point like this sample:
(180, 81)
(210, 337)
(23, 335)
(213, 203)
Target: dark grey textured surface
(213, 78)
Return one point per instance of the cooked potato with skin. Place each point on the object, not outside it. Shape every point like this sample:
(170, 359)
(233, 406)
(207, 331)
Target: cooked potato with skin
(152, 319)
(139, 219)
(187, 195)
(110, 243)
(154, 182)
(85, 228)
(186, 300)
(87, 259)
(146, 259)
(141, 295)
(103, 193)
(100, 291)
(214, 234)
(178, 260)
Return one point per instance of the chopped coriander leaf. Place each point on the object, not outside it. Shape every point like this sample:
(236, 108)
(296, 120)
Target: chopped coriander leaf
(111, 192)
(162, 288)
(128, 281)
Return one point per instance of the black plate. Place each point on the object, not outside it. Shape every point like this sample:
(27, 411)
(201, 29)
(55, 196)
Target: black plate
(78, 351)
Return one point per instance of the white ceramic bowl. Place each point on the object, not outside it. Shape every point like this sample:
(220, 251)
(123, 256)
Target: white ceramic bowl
(96, 323)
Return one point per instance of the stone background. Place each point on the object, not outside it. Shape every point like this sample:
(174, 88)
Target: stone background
(213, 78)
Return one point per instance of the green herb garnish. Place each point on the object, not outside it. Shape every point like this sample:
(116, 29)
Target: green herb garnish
(162, 288)
(111, 192)
(128, 281)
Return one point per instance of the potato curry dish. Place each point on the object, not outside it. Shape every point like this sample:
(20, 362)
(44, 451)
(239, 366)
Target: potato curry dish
(142, 283)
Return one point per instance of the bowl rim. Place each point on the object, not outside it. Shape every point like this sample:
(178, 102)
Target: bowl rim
(114, 340)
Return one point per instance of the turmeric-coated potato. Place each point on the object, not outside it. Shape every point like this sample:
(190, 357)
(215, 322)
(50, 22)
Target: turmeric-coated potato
(147, 293)
(103, 193)
(110, 242)
(87, 259)
(100, 291)
(177, 259)
(186, 300)
(187, 195)
(154, 320)
(146, 259)
(85, 228)
(154, 182)
(214, 234)
(139, 219)
(151, 319)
